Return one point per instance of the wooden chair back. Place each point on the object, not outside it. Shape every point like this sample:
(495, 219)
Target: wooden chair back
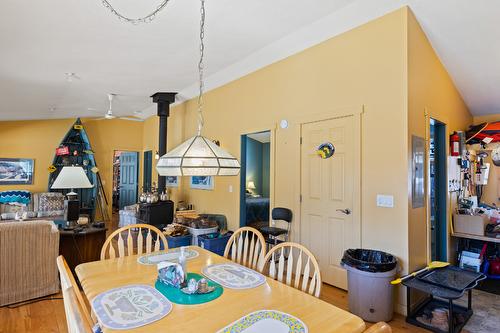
(246, 247)
(149, 244)
(379, 327)
(300, 265)
(77, 315)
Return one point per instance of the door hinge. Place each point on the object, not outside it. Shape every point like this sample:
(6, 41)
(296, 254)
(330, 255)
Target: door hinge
(300, 140)
(300, 198)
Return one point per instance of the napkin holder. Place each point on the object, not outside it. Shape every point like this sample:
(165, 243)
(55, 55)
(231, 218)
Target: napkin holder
(171, 274)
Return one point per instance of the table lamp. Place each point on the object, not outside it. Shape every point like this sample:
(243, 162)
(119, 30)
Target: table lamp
(251, 186)
(71, 177)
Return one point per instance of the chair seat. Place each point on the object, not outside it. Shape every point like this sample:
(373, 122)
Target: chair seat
(273, 231)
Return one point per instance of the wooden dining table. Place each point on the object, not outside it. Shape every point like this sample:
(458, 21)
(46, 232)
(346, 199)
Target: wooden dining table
(99, 276)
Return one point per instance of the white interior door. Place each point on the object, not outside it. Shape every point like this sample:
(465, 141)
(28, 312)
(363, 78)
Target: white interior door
(330, 217)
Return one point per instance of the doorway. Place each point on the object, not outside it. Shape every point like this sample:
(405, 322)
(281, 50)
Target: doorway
(255, 179)
(125, 178)
(438, 190)
(330, 179)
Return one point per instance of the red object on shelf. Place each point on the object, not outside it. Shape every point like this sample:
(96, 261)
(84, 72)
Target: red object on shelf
(61, 151)
(495, 267)
(455, 144)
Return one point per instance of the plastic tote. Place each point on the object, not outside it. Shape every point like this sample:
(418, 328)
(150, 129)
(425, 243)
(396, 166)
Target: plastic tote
(369, 276)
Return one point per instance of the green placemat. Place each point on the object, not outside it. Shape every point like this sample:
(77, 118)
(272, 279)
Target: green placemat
(177, 296)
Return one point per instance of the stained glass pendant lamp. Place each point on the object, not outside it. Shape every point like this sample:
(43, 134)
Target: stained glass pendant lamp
(198, 156)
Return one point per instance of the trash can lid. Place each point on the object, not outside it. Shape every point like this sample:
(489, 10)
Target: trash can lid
(373, 261)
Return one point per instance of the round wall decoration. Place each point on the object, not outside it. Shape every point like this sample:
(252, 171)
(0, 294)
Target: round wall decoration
(325, 150)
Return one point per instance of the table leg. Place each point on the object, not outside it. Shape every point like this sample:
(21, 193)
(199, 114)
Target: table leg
(469, 300)
(450, 317)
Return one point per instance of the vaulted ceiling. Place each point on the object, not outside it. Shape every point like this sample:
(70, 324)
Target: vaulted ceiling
(40, 41)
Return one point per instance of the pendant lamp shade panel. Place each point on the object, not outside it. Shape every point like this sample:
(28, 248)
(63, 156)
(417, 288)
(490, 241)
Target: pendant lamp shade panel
(198, 156)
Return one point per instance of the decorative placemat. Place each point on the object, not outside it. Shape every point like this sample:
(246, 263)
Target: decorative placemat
(129, 307)
(234, 276)
(175, 295)
(170, 255)
(264, 321)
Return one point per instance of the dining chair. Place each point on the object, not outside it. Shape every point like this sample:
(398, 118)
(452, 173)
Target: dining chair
(77, 315)
(306, 267)
(379, 327)
(247, 247)
(148, 244)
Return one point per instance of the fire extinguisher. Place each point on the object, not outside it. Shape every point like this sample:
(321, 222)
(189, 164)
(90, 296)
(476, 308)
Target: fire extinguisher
(454, 144)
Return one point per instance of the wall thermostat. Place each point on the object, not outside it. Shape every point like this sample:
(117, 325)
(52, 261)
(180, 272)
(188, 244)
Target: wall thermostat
(284, 123)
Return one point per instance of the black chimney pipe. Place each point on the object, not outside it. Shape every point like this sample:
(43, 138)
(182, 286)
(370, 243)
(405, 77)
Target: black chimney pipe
(163, 100)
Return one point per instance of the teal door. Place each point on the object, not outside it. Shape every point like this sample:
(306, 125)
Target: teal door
(129, 172)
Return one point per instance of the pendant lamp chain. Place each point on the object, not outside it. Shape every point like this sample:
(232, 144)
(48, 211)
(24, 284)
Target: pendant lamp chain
(201, 120)
(145, 19)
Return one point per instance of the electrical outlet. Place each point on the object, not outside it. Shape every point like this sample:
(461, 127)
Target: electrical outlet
(384, 200)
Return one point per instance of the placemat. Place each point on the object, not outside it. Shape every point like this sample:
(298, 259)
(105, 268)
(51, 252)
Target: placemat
(234, 276)
(130, 306)
(266, 321)
(170, 255)
(177, 296)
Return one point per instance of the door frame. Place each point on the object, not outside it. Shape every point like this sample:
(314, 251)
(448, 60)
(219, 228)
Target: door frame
(272, 169)
(444, 181)
(139, 168)
(357, 114)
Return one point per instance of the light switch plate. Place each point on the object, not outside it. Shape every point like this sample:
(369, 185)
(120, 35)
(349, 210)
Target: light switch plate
(230, 189)
(384, 200)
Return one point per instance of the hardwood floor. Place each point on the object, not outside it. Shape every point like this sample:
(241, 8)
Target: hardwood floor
(48, 316)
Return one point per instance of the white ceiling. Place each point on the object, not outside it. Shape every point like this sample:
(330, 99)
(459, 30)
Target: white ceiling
(41, 40)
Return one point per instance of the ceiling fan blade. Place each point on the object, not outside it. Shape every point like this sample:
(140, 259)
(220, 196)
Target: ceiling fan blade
(131, 118)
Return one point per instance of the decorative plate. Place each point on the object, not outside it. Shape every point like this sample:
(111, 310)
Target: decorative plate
(172, 256)
(234, 276)
(266, 321)
(129, 307)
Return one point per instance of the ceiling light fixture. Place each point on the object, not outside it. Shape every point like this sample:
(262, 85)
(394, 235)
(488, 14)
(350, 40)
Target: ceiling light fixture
(198, 156)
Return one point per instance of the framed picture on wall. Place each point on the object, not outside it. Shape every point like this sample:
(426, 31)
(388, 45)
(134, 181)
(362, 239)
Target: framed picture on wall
(202, 182)
(16, 171)
(172, 181)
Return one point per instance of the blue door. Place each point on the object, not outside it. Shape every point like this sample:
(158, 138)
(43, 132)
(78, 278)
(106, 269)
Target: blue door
(129, 172)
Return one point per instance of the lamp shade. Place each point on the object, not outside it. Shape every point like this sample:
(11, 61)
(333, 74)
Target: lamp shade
(71, 177)
(251, 185)
(198, 156)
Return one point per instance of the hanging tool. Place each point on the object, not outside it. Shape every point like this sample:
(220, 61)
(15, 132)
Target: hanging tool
(432, 265)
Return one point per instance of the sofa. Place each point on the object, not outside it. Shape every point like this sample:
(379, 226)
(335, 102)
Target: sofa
(45, 205)
(28, 252)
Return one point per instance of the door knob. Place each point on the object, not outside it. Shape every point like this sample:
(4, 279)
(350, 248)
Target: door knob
(346, 211)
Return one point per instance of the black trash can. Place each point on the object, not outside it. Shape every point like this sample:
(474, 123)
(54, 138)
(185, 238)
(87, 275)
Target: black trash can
(369, 276)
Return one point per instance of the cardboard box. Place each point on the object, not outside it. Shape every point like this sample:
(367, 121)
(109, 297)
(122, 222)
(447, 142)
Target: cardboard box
(470, 224)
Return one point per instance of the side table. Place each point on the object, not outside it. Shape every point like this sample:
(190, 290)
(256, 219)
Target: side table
(83, 246)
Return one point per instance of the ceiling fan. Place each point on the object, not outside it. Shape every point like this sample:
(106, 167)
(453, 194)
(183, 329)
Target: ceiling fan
(109, 114)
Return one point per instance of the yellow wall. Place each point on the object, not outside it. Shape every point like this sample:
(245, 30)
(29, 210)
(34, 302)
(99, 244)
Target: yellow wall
(363, 67)
(430, 91)
(38, 139)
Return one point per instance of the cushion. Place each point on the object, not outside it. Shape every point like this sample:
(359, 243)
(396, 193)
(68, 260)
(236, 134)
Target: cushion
(52, 201)
(51, 213)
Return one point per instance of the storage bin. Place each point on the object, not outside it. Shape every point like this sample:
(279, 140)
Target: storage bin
(127, 217)
(214, 242)
(196, 232)
(470, 224)
(177, 241)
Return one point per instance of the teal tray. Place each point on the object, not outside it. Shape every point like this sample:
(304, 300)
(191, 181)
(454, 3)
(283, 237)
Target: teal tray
(177, 296)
